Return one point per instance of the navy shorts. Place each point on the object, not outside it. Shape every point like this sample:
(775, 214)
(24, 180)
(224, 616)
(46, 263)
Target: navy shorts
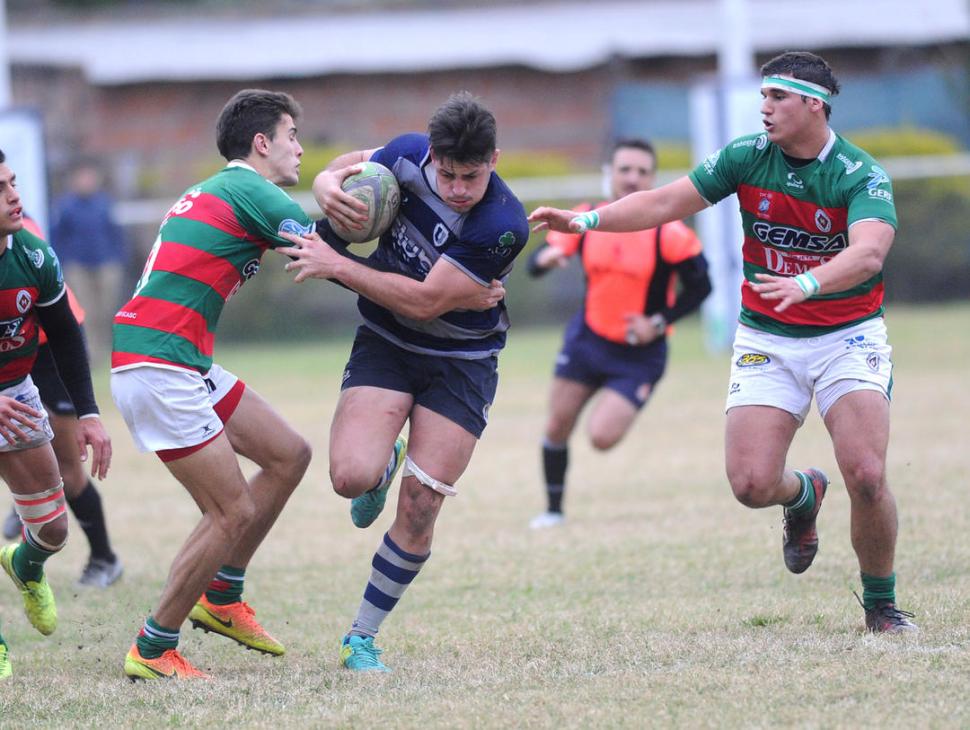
(53, 394)
(600, 363)
(460, 390)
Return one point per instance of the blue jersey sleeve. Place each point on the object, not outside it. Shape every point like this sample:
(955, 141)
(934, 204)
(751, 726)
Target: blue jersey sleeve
(412, 146)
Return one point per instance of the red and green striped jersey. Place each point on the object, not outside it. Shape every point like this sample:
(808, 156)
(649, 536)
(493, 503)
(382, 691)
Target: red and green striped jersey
(30, 277)
(797, 217)
(209, 244)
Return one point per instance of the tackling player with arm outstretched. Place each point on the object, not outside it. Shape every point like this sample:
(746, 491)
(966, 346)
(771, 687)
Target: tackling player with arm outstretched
(197, 417)
(427, 353)
(819, 219)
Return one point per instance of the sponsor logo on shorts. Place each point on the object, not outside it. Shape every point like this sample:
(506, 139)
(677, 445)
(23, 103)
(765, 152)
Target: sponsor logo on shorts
(506, 239)
(735, 388)
(859, 342)
(346, 376)
(752, 359)
(873, 361)
(24, 300)
(485, 411)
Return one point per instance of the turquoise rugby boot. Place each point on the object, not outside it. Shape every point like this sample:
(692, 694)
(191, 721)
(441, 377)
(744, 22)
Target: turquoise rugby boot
(359, 654)
(367, 507)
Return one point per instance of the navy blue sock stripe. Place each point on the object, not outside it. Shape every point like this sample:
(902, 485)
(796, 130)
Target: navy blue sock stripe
(379, 598)
(394, 572)
(401, 553)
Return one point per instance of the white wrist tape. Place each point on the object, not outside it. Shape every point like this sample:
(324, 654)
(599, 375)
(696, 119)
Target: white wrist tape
(808, 284)
(586, 221)
(413, 470)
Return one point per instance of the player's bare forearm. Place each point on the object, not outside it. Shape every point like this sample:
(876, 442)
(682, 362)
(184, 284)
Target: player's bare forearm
(349, 158)
(635, 212)
(869, 242)
(443, 290)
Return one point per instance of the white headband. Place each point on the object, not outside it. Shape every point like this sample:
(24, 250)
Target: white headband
(805, 88)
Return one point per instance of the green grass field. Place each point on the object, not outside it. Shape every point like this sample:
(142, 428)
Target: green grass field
(661, 603)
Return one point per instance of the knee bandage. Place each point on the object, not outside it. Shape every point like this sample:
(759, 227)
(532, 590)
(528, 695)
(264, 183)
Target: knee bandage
(36, 510)
(413, 470)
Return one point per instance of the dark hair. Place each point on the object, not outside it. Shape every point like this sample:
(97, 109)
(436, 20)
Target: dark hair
(462, 130)
(807, 67)
(3, 157)
(634, 143)
(248, 113)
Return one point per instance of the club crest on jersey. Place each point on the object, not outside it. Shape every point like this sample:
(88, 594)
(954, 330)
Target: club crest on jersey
(822, 221)
(24, 301)
(764, 205)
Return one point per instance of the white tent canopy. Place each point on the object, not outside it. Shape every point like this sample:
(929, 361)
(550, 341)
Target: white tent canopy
(550, 36)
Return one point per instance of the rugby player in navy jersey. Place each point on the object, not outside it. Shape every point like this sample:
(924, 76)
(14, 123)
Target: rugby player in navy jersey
(427, 352)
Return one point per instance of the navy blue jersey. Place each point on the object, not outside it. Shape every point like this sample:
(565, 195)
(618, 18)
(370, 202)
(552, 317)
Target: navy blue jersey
(482, 243)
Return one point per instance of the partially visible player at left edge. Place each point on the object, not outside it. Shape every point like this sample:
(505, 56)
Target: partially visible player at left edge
(32, 294)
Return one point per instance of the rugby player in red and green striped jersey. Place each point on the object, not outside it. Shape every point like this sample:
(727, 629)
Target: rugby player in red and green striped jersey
(818, 219)
(32, 294)
(192, 413)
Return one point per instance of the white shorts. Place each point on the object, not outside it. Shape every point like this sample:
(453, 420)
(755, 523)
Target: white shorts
(26, 392)
(784, 372)
(170, 409)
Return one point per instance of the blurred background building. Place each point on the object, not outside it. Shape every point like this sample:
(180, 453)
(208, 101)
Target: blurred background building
(138, 84)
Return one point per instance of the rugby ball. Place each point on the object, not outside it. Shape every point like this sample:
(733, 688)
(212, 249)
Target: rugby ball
(376, 186)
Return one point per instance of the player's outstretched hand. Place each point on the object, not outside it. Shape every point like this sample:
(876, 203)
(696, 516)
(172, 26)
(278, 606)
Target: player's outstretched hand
(784, 288)
(554, 219)
(345, 210)
(15, 417)
(90, 432)
(312, 257)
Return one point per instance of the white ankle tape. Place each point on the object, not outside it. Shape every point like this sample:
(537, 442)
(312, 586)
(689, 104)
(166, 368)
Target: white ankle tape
(413, 470)
(36, 510)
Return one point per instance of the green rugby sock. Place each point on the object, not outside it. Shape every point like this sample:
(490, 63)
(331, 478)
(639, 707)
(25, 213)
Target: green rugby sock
(878, 589)
(154, 640)
(804, 501)
(227, 586)
(28, 561)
